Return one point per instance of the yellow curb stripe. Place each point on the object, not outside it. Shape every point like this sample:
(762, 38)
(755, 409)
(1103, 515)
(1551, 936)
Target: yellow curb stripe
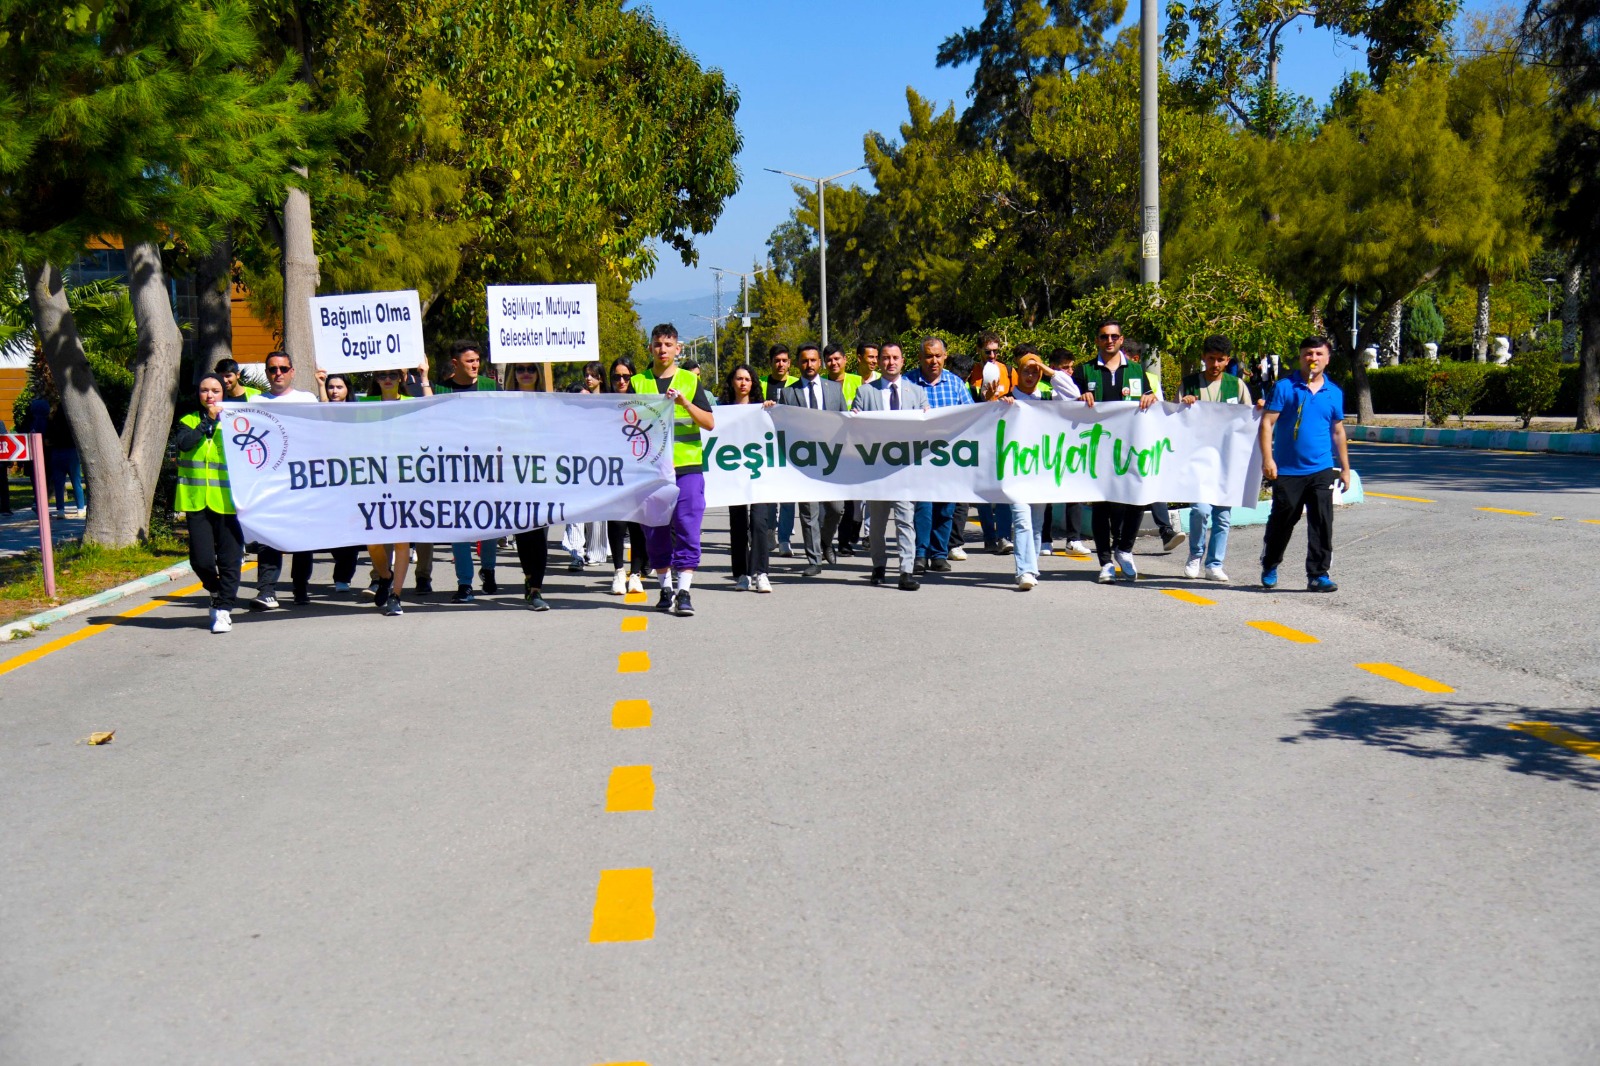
(630, 714)
(1188, 597)
(35, 654)
(1502, 510)
(624, 906)
(1556, 735)
(636, 624)
(1279, 630)
(1408, 499)
(631, 788)
(1401, 675)
(633, 662)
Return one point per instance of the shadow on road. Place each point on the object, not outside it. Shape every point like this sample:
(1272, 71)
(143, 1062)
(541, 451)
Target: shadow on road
(1472, 470)
(1456, 731)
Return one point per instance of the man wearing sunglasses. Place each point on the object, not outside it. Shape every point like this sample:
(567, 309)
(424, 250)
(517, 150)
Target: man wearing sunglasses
(280, 389)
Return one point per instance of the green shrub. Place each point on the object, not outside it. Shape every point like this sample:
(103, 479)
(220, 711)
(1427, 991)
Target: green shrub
(1453, 389)
(1533, 381)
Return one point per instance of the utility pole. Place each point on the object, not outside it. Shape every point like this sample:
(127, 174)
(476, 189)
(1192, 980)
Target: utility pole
(716, 322)
(822, 224)
(746, 316)
(1149, 146)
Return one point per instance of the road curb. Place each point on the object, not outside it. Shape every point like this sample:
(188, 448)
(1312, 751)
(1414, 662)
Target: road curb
(10, 630)
(1514, 440)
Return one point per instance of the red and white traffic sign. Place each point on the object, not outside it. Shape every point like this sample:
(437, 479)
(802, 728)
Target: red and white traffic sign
(13, 448)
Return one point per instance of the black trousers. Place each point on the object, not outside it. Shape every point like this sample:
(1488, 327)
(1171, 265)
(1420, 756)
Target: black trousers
(850, 524)
(958, 525)
(216, 552)
(533, 552)
(1292, 494)
(748, 528)
(1116, 527)
(344, 566)
(638, 562)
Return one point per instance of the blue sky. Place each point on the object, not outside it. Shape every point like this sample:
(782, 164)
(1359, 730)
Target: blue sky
(814, 77)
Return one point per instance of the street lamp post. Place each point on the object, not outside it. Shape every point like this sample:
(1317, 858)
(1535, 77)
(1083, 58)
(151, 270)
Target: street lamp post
(1149, 157)
(744, 285)
(716, 360)
(822, 227)
(1549, 301)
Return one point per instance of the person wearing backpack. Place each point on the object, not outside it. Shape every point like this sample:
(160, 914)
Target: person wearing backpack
(1213, 384)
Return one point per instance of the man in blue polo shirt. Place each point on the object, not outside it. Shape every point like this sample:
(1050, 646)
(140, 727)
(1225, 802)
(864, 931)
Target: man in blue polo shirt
(1301, 429)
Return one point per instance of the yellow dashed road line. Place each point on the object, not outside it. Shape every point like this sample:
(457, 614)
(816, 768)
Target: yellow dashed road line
(1188, 597)
(1401, 675)
(1502, 510)
(630, 714)
(624, 906)
(1277, 629)
(635, 624)
(1556, 735)
(633, 662)
(631, 788)
(1408, 499)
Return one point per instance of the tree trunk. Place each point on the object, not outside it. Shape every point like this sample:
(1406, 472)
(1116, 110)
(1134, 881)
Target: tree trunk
(121, 472)
(1572, 284)
(1589, 370)
(213, 282)
(1362, 386)
(1391, 332)
(300, 279)
(1480, 327)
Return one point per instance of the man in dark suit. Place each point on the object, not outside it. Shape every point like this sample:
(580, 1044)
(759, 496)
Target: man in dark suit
(819, 522)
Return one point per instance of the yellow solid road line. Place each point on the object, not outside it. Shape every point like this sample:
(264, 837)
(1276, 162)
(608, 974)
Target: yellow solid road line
(636, 624)
(1279, 630)
(624, 906)
(631, 788)
(1403, 676)
(1408, 499)
(1591, 521)
(33, 655)
(633, 662)
(1188, 597)
(630, 714)
(1502, 510)
(1565, 737)
(640, 1063)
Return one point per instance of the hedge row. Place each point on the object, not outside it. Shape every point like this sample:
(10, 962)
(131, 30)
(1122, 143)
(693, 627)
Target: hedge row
(1397, 390)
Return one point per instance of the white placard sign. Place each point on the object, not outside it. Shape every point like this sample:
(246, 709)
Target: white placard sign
(362, 331)
(543, 323)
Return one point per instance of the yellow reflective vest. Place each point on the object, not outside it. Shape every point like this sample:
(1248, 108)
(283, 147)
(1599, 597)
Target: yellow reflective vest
(203, 474)
(686, 453)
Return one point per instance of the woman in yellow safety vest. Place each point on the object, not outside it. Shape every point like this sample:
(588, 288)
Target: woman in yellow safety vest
(216, 544)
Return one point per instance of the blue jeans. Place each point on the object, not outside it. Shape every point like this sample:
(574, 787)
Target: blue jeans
(785, 522)
(463, 557)
(1027, 519)
(995, 519)
(933, 529)
(1218, 547)
(64, 464)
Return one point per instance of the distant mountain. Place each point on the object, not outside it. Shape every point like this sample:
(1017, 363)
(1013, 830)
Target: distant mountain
(679, 312)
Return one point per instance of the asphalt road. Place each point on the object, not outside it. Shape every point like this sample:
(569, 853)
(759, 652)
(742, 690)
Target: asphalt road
(967, 825)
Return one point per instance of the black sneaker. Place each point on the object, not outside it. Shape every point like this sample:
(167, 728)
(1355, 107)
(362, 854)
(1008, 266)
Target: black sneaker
(267, 602)
(302, 595)
(534, 601)
(392, 608)
(909, 583)
(380, 593)
(878, 574)
(682, 607)
(939, 566)
(489, 585)
(921, 565)
(665, 602)
(424, 586)
(463, 595)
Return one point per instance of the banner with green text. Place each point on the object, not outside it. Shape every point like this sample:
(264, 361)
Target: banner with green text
(462, 467)
(1023, 452)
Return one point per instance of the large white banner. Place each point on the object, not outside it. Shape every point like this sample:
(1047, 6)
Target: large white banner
(993, 452)
(361, 331)
(467, 466)
(543, 323)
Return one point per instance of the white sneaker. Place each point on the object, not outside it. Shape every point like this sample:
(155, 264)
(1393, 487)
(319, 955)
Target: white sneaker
(785, 550)
(743, 584)
(221, 621)
(762, 584)
(635, 584)
(958, 553)
(1214, 573)
(1125, 563)
(619, 583)
(1047, 547)
(1078, 547)
(1026, 582)
(1108, 574)
(1191, 569)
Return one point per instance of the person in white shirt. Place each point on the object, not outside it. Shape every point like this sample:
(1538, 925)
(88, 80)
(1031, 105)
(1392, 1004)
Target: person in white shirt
(280, 389)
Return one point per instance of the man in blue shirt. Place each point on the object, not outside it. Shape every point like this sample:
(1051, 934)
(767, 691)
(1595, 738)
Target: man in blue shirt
(934, 520)
(1301, 429)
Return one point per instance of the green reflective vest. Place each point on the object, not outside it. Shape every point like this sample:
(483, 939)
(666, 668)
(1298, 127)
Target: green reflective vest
(1133, 379)
(1230, 387)
(203, 474)
(685, 434)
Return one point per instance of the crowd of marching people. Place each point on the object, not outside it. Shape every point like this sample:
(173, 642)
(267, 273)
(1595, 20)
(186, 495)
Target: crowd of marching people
(1302, 441)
